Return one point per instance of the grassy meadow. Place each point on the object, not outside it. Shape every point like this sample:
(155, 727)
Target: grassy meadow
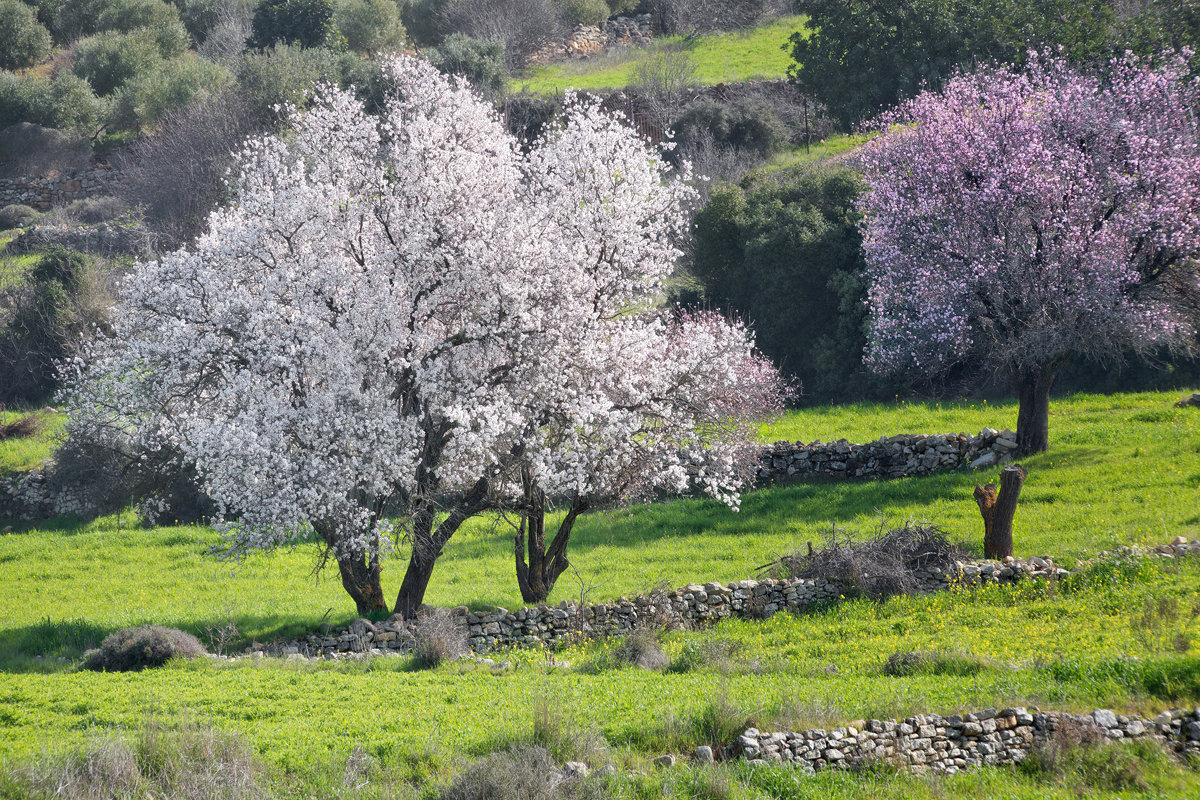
(1121, 469)
(756, 54)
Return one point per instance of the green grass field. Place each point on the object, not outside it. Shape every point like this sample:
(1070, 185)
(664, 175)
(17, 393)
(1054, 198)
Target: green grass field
(1122, 469)
(718, 58)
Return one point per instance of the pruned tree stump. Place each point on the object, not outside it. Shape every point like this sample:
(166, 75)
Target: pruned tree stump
(998, 510)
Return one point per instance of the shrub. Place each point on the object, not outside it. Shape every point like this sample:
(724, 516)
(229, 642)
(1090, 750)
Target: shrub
(27, 149)
(585, 12)
(521, 26)
(641, 649)
(23, 41)
(16, 215)
(664, 83)
(480, 62)
(66, 102)
(107, 60)
(48, 318)
(183, 763)
(440, 637)
(177, 173)
(877, 567)
(133, 649)
(307, 23)
(225, 39)
(716, 654)
(90, 210)
(146, 98)
(369, 26)
(908, 663)
(422, 20)
(161, 19)
(751, 125)
(784, 253)
(285, 74)
(522, 773)
(527, 115)
(21, 427)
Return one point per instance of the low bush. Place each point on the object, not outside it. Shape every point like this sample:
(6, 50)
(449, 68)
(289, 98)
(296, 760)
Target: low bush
(750, 126)
(522, 773)
(19, 428)
(521, 26)
(285, 75)
(641, 649)
(719, 655)
(185, 763)
(878, 567)
(23, 41)
(16, 215)
(88, 211)
(107, 60)
(369, 26)
(160, 19)
(147, 98)
(440, 637)
(134, 649)
(480, 62)
(65, 102)
(1079, 755)
(585, 12)
(305, 23)
(28, 150)
(922, 662)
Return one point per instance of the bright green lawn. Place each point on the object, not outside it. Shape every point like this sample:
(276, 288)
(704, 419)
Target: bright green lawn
(719, 58)
(1122, 468)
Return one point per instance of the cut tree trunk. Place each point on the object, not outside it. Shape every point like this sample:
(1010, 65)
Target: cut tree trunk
(1033, 413)
(998, 510)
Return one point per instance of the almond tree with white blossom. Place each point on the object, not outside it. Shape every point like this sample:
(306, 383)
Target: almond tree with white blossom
(376, 332)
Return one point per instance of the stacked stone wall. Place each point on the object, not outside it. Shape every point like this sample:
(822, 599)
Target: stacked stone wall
(45, 192)
(692, 606)
(929, 743)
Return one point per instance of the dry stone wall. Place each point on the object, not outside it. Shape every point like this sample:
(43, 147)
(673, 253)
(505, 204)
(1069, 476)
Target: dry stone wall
(929, 743)
(588, 40)
(45, 192)
(692, 606)
(889, 457)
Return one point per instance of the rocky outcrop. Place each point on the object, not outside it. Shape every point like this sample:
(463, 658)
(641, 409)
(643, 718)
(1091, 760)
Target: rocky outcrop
(588, 40)
(929, 743)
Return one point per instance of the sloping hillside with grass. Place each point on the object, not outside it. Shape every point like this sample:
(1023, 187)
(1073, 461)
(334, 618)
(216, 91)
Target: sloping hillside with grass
(718, 58)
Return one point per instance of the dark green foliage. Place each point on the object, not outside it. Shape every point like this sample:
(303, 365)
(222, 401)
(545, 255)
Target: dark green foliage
(863, 57)
(47, 318)
(134, 649)
(107, 60)
(482, 63)
(369, 26)
(147, 97)
(152, 15)
(585, 12)
(422, 20)
(784, 252)
(307, 23)
(528, 115)
(23, 41)
(1152, 26)
(15, 215)
(286, 74)
(923, 662)
(65, 103)
(750, 125)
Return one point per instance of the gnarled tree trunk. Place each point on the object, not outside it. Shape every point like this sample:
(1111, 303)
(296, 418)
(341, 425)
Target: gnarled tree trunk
(536, 578)
(360, 573)
(1033, 414)
(427, 543)
(998, 510)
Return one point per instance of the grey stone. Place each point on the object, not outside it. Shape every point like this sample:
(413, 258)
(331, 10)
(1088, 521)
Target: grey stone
(704, 754)
(1104, 718)
(664, 761)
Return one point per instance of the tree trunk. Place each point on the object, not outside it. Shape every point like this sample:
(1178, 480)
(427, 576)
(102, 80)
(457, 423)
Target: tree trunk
(361, 581)
(1033, 414)
(536, 578)
(998, 511)
(427, 544)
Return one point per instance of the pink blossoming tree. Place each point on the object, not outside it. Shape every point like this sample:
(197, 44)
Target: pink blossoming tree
(398, 315)
(1023, 219)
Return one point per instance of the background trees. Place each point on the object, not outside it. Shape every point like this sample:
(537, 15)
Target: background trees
(1025, 219)
(393, 313)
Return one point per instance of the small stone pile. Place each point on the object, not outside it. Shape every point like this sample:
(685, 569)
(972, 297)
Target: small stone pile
(889, 457)
(55, 189)
(692, 606)
(929, 743)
